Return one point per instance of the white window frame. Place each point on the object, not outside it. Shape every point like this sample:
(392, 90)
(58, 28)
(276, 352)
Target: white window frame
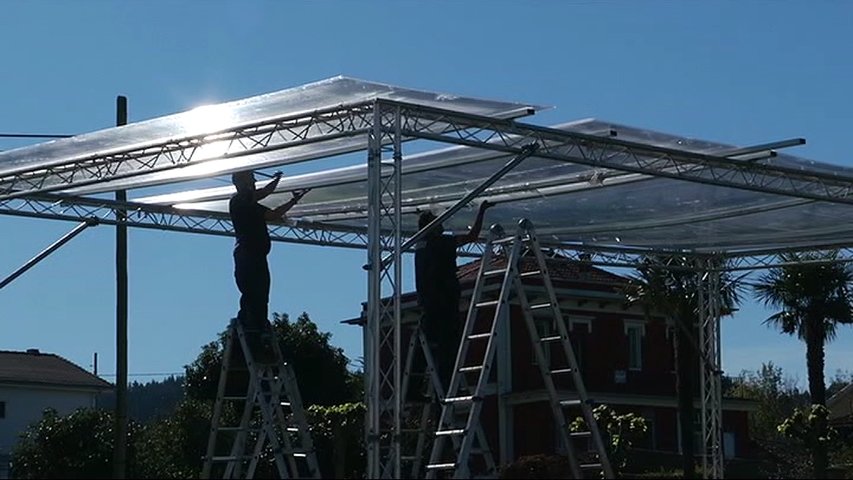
(635, 325)
(579, 319)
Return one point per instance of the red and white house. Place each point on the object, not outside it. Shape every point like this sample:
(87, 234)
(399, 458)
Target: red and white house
(626, 358)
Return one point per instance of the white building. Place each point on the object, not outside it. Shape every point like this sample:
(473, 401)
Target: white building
(31, 382)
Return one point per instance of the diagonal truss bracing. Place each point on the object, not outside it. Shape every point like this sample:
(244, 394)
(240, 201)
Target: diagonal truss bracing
(606, 152)
(255, 138)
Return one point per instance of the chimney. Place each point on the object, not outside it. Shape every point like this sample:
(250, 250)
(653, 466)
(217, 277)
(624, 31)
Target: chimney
(33, 351)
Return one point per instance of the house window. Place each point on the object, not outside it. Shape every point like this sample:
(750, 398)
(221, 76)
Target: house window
(635, 330)
(2, 409)
(585, 323)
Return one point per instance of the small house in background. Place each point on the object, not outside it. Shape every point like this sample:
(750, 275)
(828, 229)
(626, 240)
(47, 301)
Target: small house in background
(840, 408)
(31, 382)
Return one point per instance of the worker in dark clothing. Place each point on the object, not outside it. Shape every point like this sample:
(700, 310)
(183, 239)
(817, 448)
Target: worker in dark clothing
(253, 244)
(439, 292)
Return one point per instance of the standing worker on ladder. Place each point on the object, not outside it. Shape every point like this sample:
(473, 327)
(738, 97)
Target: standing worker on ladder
(253, 244)
(439, 292)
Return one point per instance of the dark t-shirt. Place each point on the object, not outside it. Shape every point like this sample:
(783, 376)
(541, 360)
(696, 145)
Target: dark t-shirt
(435, 270)
(250, 224)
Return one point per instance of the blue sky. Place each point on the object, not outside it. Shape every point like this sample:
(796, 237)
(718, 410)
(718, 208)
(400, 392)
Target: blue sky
(736, 72)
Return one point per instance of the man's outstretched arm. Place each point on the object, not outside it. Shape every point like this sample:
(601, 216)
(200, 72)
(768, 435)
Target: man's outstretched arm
(278, 212)
(474, 233)
(267, 189)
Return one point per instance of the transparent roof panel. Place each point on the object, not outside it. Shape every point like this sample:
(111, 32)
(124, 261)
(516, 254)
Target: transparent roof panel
(570, 203)
(230, 116)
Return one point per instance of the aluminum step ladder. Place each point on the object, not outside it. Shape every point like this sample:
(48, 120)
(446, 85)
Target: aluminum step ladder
(268, 385)
(513, 248)
(419, 419)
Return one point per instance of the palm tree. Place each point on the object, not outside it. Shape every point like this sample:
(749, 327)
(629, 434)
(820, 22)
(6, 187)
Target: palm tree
(812, 294)
(668, 285)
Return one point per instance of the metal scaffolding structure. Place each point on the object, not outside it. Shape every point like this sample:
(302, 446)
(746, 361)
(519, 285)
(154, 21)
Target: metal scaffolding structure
(59, 186)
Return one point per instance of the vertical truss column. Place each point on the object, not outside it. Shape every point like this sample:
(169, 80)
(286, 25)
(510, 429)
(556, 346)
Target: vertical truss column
(710, 361)
(382, 350)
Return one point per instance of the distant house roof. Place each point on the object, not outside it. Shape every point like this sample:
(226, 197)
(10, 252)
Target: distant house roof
(560, 269)
(46, 369)
(840, 405)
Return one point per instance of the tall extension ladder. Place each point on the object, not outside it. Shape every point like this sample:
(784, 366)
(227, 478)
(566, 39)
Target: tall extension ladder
(425, 417)
(470, 401)
(273, 389)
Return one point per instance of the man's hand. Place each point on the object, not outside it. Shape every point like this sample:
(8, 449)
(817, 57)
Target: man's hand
(486, 205)
(298, 194)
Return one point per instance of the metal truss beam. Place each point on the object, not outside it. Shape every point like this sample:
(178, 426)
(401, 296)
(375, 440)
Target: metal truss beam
(156, 217)
(612, 153)
(710, 373)
(259, 137)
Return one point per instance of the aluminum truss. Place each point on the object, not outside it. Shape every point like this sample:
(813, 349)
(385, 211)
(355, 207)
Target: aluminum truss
(258, 137)
(383, 378)
(710, 371)
(611, 153)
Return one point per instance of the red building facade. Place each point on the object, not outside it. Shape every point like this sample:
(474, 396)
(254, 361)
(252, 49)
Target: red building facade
(626, 358)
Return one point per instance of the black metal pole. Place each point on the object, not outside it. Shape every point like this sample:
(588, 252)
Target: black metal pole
(120, 451)
(47, 251)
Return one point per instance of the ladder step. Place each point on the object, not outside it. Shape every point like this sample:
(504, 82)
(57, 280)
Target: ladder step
(446, 433)
(292, 429)
(488, 303)
(530, 274)
(540, 306)
(580, 434)
(471, 369)
(562, 371)
(492, 273)
(465, 399)
(478, 336)
(238, 429)
(503, 240)
(591, 466)
(441, 466)
(555, 338)
(571, 403)
(234, 397)
(232, 458)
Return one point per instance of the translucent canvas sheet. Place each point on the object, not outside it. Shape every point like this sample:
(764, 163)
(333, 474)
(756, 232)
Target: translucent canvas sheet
(570, 203)
(308, 98)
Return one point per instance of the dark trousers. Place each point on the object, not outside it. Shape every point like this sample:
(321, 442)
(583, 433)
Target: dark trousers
(442, 328)
(253, 280)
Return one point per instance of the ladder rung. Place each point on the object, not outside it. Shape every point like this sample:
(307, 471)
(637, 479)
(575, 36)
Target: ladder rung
(292, 429)
(590, 466)
(232, 458)
(238, 428)
(465, 399)
(488, 303)
(503, 240)
(580, 434)
(555, 338)
(571, 403)
(562, 371)
(284, 404)
(539, 306)
(441, 466)
(471, 369)
(492, 273)
(444, 433)
(234, 397)
(530, 274)
(477, 336)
